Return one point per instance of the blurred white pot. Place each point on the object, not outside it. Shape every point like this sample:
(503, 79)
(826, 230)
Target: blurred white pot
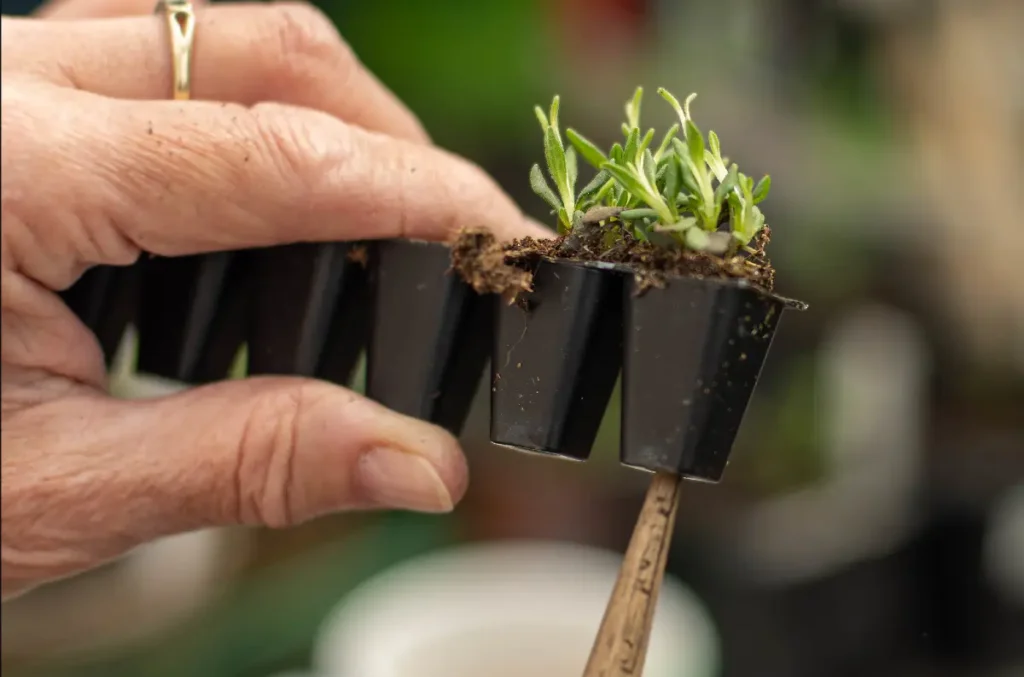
(502, 610)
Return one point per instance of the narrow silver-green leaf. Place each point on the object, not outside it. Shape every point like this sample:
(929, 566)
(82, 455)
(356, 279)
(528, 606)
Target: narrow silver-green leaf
(694, 143)
(540, 186)
(571, 169)
(674, 102)
(728, 183)
(564, 224)
(669, 135)
(625, 178)
(607, 191)
(554, 118)
(590, 152)
(714, 144)
(616, 153)
(646, 141)
(633, 108)
(544, 124)
(642, 213)
(686, 105)
(594, 186)
(649, 168)
(632, 141)
(556, 164)
(717, 168)
(680, 226)
(762, 188)
(672, 181)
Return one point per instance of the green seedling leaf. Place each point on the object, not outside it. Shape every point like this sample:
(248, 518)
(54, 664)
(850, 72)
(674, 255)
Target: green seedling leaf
(640, 232)
(646, 141)
(669, 135)
(758, 221)
(540, 186)
(686, 177)
(714, 144)
(607, 191)
(555, 156)
(649, 168)
(590, 152)
(686, 106)
(633, 108)
(592, 189)
(659, 174)
(563, 221)
(762, 188)
(632, 142)
(688, 202)
(672, 180)
(625, 178)
(727, 185)
(541, 118)
(554, 118)
(571, 170)
(680, 226)
(674, 102)
(716, 165)
(694, 143)
(616, 153)
(642, 213)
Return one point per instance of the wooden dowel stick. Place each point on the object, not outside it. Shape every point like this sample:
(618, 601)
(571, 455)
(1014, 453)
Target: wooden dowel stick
(621, 644)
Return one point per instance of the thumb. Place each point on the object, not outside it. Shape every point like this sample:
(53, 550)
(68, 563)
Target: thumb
(278, 451)
(87, 477)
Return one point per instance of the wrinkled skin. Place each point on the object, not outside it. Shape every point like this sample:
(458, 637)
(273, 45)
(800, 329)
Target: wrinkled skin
(287, 138)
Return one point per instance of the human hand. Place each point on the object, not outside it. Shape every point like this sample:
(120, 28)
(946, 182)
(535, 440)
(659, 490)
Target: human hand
(97, 166)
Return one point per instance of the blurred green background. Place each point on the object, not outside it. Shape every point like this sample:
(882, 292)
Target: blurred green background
(886, 431)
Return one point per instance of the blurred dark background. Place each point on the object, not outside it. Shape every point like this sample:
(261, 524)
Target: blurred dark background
(872, 520)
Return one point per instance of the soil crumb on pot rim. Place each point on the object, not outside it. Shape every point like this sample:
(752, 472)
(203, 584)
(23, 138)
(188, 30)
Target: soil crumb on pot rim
(490, 266)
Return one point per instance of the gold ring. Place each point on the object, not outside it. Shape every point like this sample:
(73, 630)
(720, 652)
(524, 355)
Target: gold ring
(181, 25)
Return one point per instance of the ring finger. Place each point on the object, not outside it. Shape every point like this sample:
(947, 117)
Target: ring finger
(244, 53)
(63, 10)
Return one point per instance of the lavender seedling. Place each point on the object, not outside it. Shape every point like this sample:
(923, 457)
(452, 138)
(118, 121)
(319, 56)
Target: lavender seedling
(684, 189)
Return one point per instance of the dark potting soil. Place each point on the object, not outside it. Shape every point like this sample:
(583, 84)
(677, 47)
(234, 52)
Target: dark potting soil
(490, 266)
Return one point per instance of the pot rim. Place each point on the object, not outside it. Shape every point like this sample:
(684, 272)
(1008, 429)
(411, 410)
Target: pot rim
(739, 283)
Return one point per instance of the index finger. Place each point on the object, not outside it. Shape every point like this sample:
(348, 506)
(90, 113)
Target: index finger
(190, 177)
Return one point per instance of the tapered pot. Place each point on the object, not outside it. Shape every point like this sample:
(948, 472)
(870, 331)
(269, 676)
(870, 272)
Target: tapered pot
(556, 355)
(308, 309)
(430, 334)
(190, 316)
(692, 356)
(105, 299)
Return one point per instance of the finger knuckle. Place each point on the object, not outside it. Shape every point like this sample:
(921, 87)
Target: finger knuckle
(265, 487)
(309, 50)
(302, 149)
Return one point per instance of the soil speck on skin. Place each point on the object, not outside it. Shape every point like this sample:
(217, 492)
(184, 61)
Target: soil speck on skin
(506, 268)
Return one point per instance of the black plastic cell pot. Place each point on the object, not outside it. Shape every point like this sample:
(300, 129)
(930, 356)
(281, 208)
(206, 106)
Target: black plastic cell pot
(557, 353)
(105, 299)
(430, 336)
(693, 354)
(190, 316)
(308, 310)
